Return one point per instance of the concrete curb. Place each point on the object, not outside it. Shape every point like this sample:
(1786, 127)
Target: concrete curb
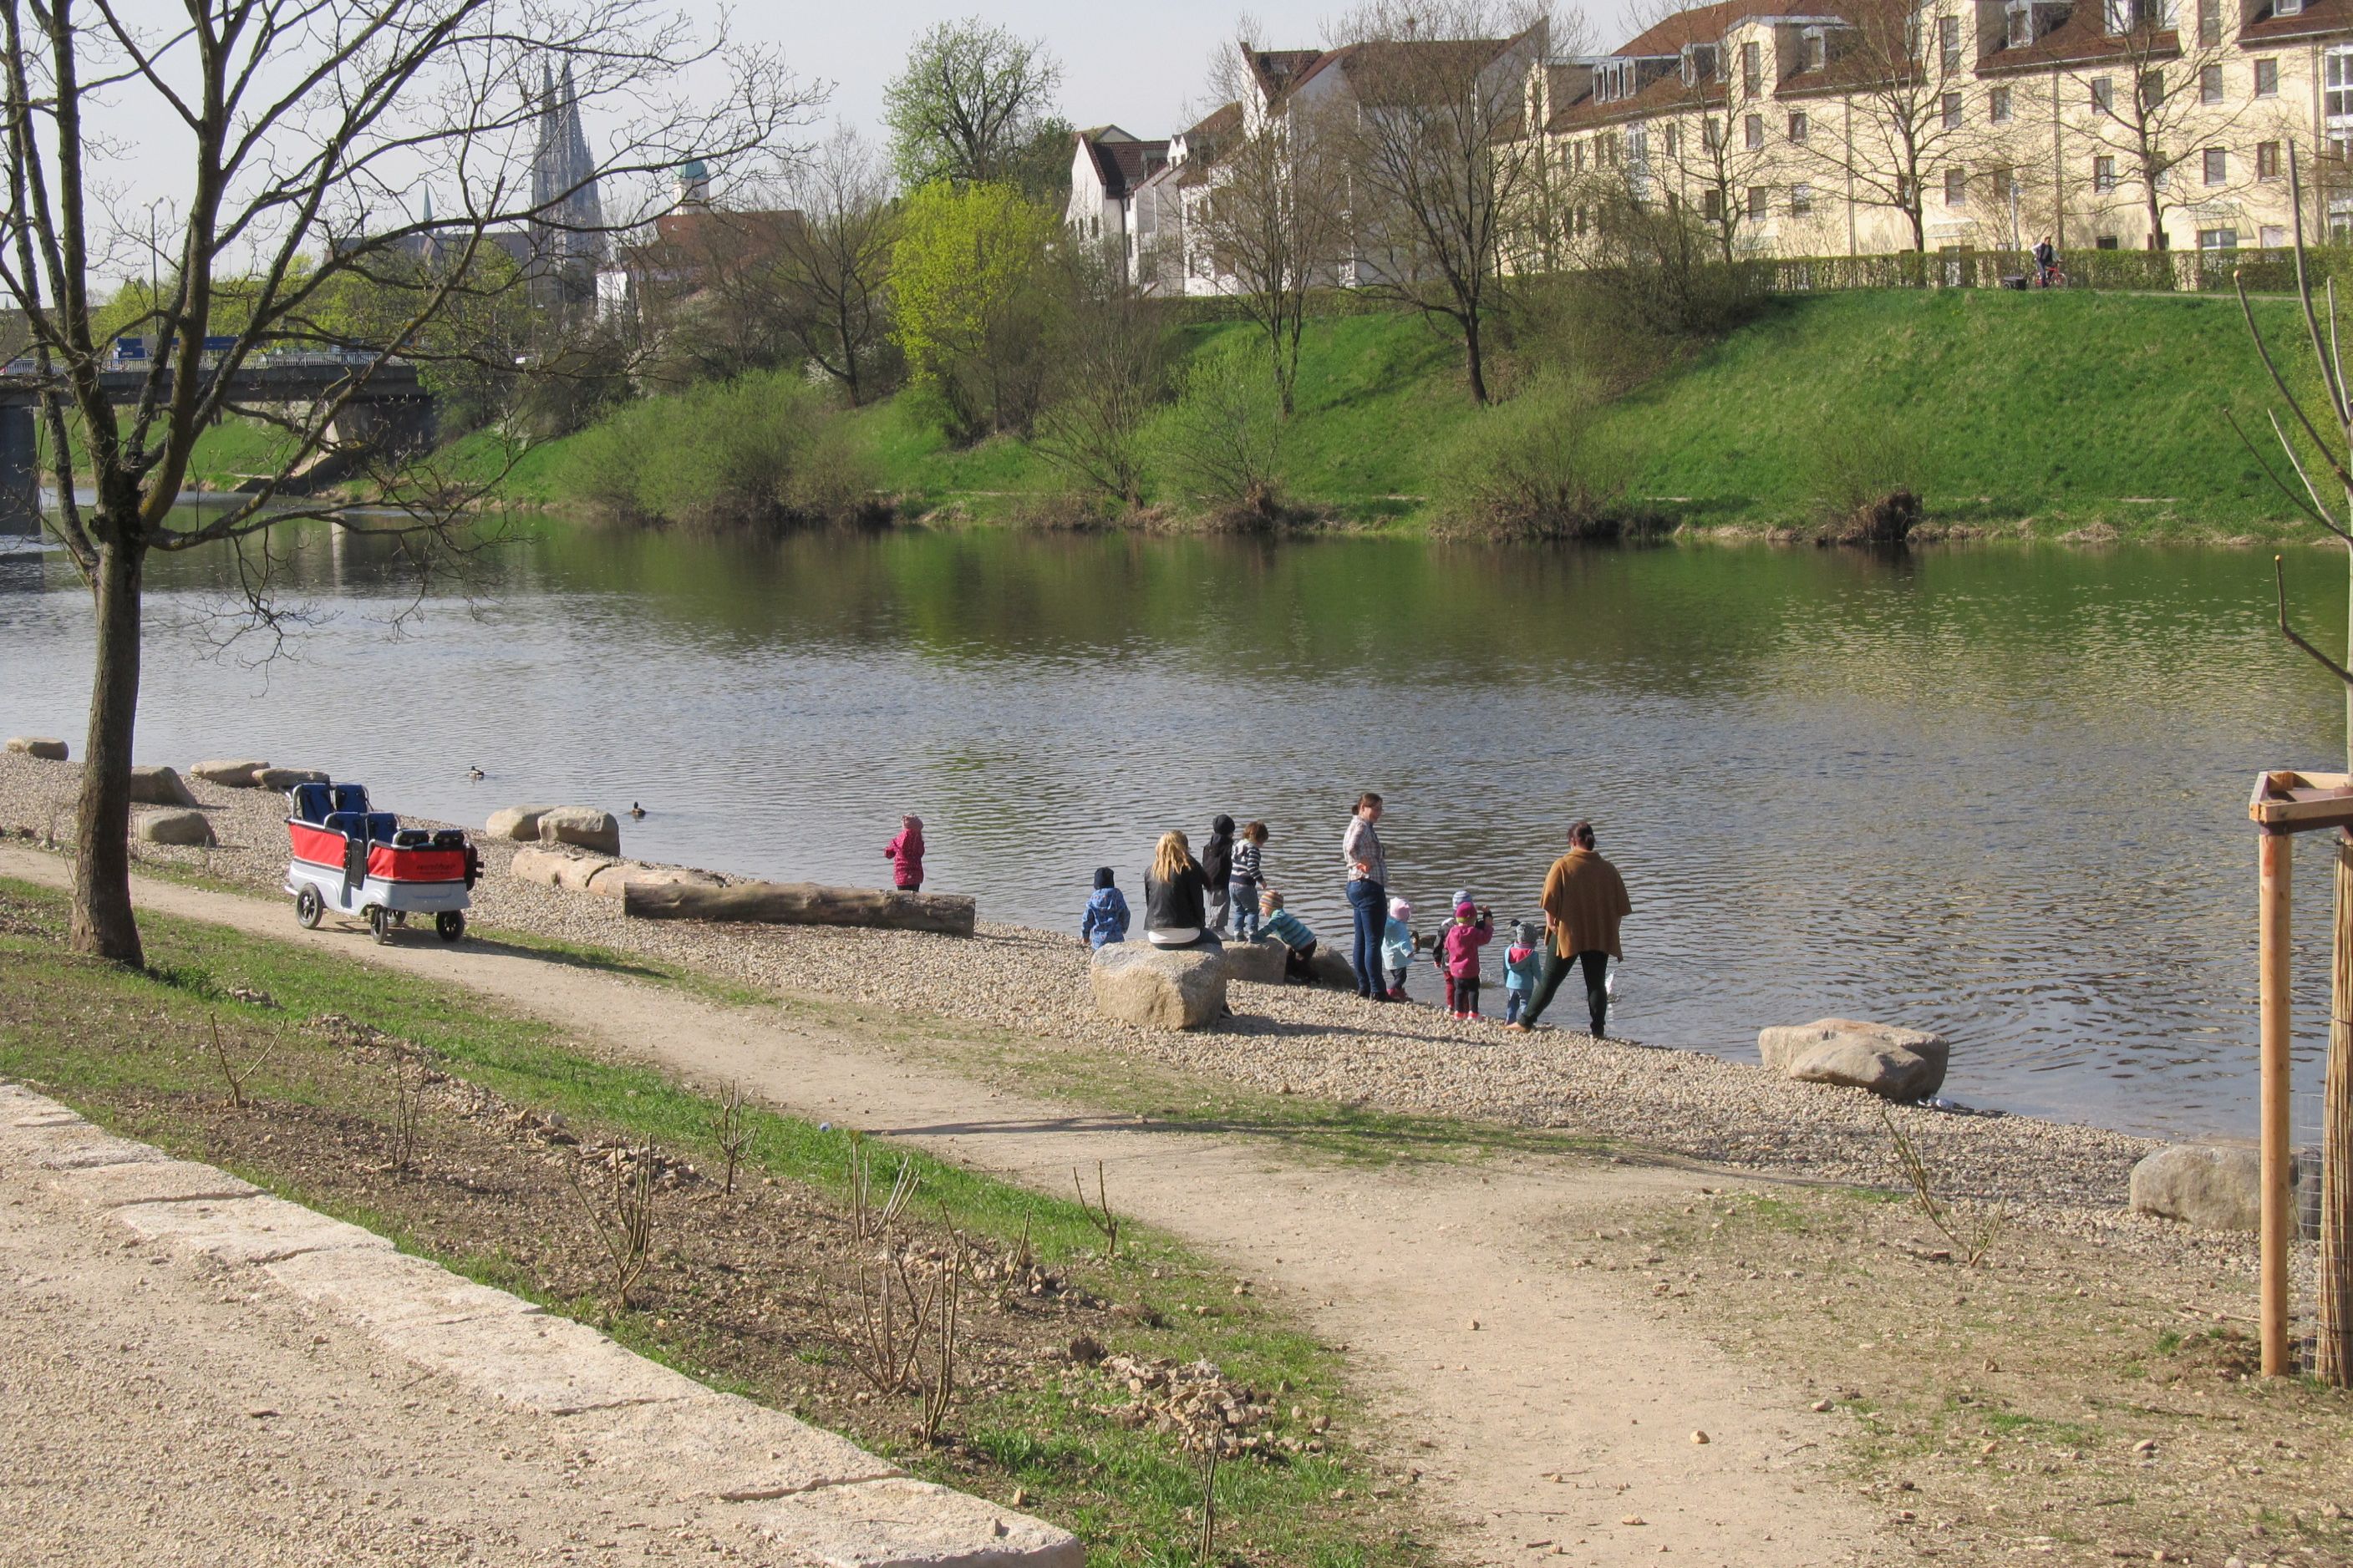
(823, 1500)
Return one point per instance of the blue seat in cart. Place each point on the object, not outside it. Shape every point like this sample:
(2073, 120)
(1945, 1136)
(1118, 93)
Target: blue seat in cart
(314, 802)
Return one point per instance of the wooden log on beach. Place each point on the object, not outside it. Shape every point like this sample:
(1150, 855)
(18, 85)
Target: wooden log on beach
(802, 903)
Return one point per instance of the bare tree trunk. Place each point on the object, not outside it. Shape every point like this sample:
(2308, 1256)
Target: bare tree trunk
(1474, 358)
(102, 923)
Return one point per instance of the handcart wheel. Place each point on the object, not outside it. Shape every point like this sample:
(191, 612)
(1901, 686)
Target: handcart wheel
(379, 922)
(308, 907)
(450, 925)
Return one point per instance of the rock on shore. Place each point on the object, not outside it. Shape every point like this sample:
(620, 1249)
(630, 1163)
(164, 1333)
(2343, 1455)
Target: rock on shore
(584, 826)
(228, 774)
(170, 826)
(153, 784)
(1890, 1062)
(517, 824)
(1161, 988)
(46, 748)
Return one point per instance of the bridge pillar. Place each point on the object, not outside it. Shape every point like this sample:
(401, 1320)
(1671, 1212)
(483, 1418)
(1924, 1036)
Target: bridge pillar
(20, 471)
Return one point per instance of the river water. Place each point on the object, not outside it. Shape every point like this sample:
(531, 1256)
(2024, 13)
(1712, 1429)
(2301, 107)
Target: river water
(1997, 790)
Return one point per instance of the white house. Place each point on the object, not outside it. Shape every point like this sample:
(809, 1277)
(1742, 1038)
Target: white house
(1107, 164)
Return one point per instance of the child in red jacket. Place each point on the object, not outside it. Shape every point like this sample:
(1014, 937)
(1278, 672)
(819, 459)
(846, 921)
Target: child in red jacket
(906, 854)
(1458, 956)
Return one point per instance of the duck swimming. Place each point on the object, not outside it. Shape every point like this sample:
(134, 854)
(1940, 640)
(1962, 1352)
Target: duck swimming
(636, 810)
(475, 774)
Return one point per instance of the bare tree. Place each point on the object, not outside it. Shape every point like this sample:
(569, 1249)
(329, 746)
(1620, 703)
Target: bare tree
(1909, 120)
(1110, 366)
(1276, 212)
(835, 263)
(1433, 99)
(1716, 138)
(2315, 450)
(307, 132)
(2163, 119)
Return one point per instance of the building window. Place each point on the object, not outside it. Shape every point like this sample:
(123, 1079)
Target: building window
(2274, 237)
(1999, 101)
(1952, 108)
(1948, 44)
(1752, 132)
(1576, 157)
(1801, 200)
(2217, 239)
(1957, 187)
(2104, 95)
(1711, 205)
(1759, 201)
(2106, 242)
(1674, 141)
(2104, 174)
(1752, 69)
(2209, 22)
(1797, 127)
(1711, 133)
(2209, 84)
(2267, 160)
(2152, 89)
(2218, 167)
(2337, 79)
(2287, 7)
(1817, 49)
(2267, 79)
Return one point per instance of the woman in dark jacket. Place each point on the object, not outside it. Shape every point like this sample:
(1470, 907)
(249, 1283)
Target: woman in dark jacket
(1217, 870)
(1175, 906)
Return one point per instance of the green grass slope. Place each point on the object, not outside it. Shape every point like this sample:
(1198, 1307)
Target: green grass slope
(2046, 413)
(2068, 408)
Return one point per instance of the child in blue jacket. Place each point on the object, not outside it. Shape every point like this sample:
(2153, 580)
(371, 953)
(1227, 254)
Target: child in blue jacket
(1521, 962)
(1106, 916)
(1398, 943)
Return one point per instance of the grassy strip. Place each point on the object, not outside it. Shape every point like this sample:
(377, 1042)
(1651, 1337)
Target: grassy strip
(2080, 1400)
(129, 1049)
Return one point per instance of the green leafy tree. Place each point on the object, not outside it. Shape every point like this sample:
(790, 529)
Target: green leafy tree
(974, 105)
(969, 288)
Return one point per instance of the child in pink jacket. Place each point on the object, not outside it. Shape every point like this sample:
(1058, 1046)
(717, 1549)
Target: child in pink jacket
(1458, 956)
(906, 854)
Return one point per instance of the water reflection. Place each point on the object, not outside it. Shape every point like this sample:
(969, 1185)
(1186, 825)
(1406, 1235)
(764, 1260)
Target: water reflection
(1995, 791)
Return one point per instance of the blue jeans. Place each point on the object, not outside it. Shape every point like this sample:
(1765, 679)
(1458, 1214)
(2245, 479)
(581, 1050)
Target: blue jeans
(1243, 895)
(1370, 902)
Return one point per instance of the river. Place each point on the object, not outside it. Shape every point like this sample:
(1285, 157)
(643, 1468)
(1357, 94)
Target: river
(1997, 791)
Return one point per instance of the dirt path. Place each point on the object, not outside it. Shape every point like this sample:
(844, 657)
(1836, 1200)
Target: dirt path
(1548, 1429)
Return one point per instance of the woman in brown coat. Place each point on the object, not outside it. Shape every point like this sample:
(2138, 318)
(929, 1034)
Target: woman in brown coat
(1584, 900)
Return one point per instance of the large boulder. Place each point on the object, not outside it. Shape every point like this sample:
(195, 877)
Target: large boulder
(284, 779)
(153, 784)
(172, 825)
(42, 746)
(1890, 1062)
(618, 876)
(558, 867)
(228, 774)
(1260, 962)
(1162, 988)
(2219, 1187)
(519, 823)
(583, 826)
(1331, 967)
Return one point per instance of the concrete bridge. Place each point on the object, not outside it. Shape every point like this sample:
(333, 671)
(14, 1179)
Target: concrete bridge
(392, 404)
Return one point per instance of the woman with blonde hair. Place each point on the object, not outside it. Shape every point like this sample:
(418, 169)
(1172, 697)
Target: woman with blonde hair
(1175, 910)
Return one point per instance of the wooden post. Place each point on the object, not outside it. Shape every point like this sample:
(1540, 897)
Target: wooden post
(2278, 1170)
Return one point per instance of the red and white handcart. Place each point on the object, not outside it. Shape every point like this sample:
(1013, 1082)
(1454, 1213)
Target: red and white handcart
(353, 860)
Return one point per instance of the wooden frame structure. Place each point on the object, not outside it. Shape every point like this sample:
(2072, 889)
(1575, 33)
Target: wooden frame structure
(2285, 803)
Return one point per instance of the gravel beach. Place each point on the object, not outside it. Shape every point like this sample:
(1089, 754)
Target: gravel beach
(1314, 1043)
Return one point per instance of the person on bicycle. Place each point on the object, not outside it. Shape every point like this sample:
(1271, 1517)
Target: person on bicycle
(2046, 263)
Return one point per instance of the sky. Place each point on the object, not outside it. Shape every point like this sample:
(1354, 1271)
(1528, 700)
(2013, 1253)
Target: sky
(1143, 70)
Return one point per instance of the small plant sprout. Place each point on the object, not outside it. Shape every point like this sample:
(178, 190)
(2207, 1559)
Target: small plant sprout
(866, 1222)
(1205, 1541)
(941, 1388)
(236, 1074)
(623, 1220)
(734, 1133)
(1099, 1212)
(408, 1077)
(1971, 1238)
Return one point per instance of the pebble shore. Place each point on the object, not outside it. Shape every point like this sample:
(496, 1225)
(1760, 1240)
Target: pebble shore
(1319, 1044)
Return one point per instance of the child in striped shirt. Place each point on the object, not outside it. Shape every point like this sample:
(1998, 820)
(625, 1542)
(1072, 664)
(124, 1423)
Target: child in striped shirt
(1245, 880)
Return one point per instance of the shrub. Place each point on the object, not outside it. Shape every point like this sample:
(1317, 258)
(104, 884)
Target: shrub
(766, 448)
(1221, 443)
(1540, 466)
(1866, 479)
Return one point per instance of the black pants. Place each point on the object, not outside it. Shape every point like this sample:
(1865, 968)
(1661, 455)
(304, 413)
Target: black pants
(1466, 993)
(1299, 962)
(1554, 969)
